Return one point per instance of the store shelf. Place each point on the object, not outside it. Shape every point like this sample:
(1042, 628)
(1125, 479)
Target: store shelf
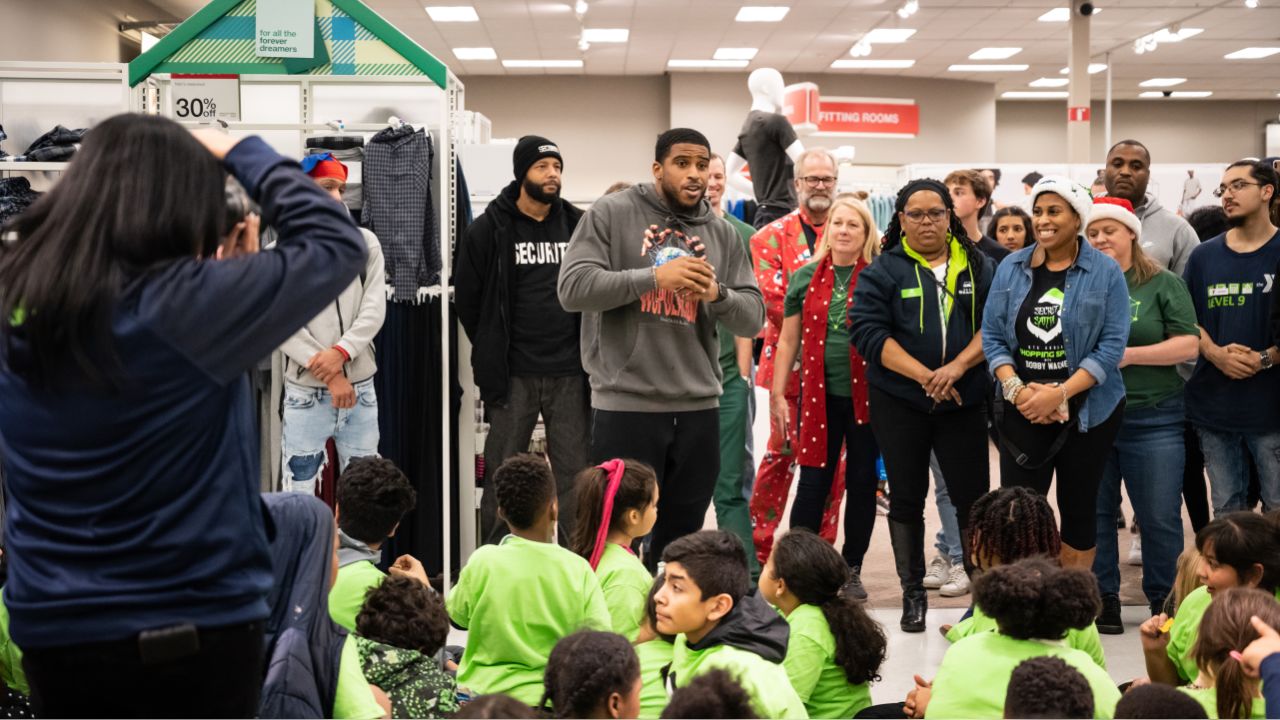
(12, 165)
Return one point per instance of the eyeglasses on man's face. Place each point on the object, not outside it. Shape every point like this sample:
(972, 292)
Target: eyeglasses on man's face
(936, 215)
(1234, 187)
(819, 180)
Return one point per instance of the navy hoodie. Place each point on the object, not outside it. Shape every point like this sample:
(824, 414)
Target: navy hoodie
(139, 508)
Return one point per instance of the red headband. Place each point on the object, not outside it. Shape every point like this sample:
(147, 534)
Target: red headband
(614, 469)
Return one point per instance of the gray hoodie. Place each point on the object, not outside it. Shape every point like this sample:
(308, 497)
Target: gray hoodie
(1166, 238)
(648, 350)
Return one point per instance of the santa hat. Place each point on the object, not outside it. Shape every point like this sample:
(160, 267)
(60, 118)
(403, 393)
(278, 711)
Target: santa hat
(324, 165)
(1076, 195)
(1118, 209)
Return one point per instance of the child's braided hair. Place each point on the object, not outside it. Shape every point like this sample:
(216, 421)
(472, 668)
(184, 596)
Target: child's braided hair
(584, 669)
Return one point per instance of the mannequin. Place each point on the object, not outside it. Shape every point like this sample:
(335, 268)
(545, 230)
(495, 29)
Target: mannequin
(768, 142)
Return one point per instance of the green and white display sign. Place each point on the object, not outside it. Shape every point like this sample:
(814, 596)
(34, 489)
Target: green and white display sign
(285, 28)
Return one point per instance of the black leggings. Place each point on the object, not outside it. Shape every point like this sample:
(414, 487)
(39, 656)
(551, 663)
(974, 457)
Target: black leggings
(860, 480)
(1079, 465)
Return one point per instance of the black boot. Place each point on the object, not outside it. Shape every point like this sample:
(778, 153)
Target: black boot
(1109, 622)
(853, 588)
(908, 555)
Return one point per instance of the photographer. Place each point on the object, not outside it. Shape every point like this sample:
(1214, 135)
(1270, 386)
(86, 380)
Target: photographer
(139, 564)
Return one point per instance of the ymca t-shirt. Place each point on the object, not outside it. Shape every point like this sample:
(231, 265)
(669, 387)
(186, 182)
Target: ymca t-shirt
(1085, 640)
(544, 338)
(811, 666)
(1232, 294)
(1158, 310)
(654, 656)
(1042, 352)
(625, 583)
(347, 595)
(763, 143)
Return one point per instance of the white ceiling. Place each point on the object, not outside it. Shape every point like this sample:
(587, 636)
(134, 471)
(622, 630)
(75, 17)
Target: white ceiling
(817, 32)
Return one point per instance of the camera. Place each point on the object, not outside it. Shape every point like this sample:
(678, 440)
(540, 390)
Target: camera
(1086, 9)
(1167, 93)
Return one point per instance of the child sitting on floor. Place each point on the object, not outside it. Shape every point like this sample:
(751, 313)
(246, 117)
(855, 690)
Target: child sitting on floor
(518, 598)
(1154, 701)
(1047, 687)
(617, 503)
(835, 649)
(593, 674)
(654, 651)
(1222, 686)
(712, 695)
(401, 627)
(704, 600)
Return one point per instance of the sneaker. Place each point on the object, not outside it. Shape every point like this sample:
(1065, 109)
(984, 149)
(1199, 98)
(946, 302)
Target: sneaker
(1135, 551)
(853, 588)
(939, 572)
(957, 583)
(1109, 622)
(882, 502)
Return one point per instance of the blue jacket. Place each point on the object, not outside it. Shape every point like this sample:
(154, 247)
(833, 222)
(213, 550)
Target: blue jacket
(139, 508)
(1095, 323)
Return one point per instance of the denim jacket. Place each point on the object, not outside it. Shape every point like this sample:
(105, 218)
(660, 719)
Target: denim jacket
(1095, 323)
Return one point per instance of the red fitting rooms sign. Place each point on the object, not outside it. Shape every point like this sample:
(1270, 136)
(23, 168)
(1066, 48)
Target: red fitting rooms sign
(812, 114)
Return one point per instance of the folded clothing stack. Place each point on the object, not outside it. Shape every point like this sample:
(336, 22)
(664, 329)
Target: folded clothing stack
(16, 195)
(57, 145)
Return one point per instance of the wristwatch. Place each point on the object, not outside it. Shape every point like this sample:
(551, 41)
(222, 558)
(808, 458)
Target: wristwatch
(720, 292)
(1265, 357)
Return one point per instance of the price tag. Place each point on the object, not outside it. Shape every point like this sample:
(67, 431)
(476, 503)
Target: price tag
(205, 98)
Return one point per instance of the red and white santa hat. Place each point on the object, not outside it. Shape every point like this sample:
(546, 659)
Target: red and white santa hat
(1118, 209)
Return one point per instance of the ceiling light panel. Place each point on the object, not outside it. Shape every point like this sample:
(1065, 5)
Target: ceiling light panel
(605, 35)
(1162, 82)
(516, 64)
(452, 13)
(1177, 94)
(713, 64)
(1050, 82)
(1061, 14)
(1252, 53)
(475, 53)
(735, 53)
(1034, 94)
(1094, 69)
(987, 68)
(762, 13)
(885, 36)
(863, 64)
(995, 53)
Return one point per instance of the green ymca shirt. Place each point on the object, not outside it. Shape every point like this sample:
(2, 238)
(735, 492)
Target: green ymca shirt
(811, 667)
(654, 655)
(1208, 697)
(728, 353)
(1158, 310)
(1186, 627)
(625, 583)
(766, 683)
(353, 699)
(1085, 640)
(347, 596)
(975, 672)
(516, 600)
(836, 350)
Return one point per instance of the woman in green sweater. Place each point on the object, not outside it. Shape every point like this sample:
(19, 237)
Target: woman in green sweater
(835, 648)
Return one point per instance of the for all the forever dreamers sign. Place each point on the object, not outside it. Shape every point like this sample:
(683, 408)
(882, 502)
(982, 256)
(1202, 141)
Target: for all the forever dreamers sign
(284, 28)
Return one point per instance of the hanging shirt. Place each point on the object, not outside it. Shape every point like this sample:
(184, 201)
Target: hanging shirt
(1041, 354)
(763, 143)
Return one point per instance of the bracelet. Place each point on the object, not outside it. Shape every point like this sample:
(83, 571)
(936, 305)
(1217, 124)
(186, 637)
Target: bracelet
(1063, 388)
(1010, 386)
(1016, 392)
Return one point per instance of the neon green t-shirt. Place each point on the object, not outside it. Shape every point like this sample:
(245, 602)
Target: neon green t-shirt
(625, 583)
(811, 667)
(1186, 627)
(766, 683)
(10, 655)
(1208, 697)
(517, 599)
(1085, 640)
(654, 655)
(975, 672)
(353, 699)
(347, 596)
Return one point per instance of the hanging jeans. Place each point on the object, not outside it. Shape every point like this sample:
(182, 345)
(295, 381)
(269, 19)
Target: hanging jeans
(310, 419)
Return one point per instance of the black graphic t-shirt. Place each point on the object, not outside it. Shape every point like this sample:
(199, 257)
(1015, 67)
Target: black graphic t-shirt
(544, 338)
(763, 143)
(1042, 354)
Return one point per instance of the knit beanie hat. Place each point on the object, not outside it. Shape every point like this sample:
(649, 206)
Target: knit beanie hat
(530, 150)
(1118, 209)
(1076, 195)
(324, 165)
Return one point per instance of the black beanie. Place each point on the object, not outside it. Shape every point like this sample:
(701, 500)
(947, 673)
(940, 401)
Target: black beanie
(530, 150)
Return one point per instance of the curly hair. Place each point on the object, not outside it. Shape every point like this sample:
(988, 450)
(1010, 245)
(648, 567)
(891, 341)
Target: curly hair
(1156, 701)
(404, 613)
(584, 669)
(1034, 599)
(1047, 687)
(525, 487)
(714, 694)
(635, 492)
(715, 560)
(814, 572)
(1009, 524)
(497, 705)
(1209, 221)
(894, 234)
(373, 495)
(1243, 540)
(1226, 626)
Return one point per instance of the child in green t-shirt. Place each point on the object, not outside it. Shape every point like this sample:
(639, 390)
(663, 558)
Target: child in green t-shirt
(1240, 549)
(1047, 687)
(372, 496)
(704, 601)
(518, 598)
(617, 503)
(400, 628)
(1221, 684)
(835, 649)
(713, 694)
(592, 674)
(654, 651)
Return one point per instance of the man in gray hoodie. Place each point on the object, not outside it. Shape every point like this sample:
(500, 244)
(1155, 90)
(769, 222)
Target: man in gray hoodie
(653, 270)
(1166, 238)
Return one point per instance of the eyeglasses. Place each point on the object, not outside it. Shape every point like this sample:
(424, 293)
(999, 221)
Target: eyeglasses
(936, 215)
(1234, 187)
(816, 180)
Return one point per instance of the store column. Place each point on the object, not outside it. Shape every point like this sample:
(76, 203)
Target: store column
(1078, 91)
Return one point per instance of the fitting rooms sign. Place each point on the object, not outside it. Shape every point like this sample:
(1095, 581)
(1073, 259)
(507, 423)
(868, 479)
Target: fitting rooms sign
(285, 28)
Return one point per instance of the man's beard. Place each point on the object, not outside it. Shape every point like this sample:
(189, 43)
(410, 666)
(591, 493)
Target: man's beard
(672, 194)
(817, 203)
(1237, 221)
(535, 191)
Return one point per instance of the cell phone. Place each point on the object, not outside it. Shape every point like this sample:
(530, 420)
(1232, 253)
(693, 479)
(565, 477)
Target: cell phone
(167, 644)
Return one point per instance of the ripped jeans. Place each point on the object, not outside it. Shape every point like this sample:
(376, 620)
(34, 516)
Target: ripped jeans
(310, 419)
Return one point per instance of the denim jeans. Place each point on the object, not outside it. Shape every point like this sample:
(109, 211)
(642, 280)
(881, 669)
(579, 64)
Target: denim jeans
(310, 419)
(1148, 455)
(1225, 459)
(947, 541)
